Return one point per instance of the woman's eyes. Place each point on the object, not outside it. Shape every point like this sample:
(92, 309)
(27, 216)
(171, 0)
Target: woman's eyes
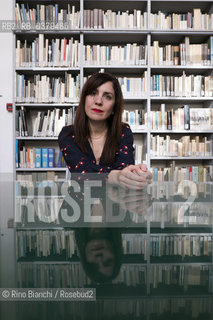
(108, 97)
(105, 96)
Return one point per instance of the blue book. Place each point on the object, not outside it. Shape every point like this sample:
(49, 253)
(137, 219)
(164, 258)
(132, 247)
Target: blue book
(17, 164)
(125, 50)
(127, 246)
(107, 54)
(119, 22)
(128, 85)
(56, 13)
(158, 85)
(132, 118)
(44, 152)
(38, 157)
(22, 87)
(155, 174)
(187, 173)
(156, 120)
(195, 173)
(38, 13)
(24, 13)
(51, 157)
(59, 162)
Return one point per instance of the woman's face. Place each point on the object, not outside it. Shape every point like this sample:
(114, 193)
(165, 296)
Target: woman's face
(99, 253)
(100, 103)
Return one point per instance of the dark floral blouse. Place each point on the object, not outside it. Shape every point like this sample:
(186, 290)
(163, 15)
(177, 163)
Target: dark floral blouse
(79, 162)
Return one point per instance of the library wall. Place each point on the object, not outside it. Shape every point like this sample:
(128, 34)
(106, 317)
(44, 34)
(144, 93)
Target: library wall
(6, 91)
(6, 159)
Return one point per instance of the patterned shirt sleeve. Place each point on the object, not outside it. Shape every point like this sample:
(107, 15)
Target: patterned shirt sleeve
(125, 153)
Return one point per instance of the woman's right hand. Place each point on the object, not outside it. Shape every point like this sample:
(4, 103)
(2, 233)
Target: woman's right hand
(134, 177)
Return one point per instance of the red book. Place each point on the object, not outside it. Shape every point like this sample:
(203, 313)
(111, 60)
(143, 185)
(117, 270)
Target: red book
(65, 49)
(190, 173)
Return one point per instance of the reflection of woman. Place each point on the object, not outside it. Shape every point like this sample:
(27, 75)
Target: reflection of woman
(99, 142)
(100, 252)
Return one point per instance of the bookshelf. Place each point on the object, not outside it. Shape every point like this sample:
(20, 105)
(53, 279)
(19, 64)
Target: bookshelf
(95, 47)
(153, 68)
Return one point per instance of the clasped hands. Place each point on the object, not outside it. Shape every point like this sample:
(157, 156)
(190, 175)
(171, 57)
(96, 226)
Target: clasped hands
(134, 177)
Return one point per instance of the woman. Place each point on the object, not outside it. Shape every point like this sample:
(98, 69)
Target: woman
(99, 142)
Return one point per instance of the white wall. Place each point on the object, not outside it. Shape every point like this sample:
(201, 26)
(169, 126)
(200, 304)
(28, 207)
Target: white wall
(6, 90)
(7, 254)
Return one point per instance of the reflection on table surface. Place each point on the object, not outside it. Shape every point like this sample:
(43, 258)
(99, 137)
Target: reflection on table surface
(147, 252)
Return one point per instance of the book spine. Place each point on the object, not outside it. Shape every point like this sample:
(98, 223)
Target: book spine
(186, 117)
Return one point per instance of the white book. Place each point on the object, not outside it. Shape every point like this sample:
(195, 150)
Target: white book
(32, 158)
(18, 51)
(138, 13)
(163, 116)
(56, 120)
(51, 124)
(45, 64)
(41, 50)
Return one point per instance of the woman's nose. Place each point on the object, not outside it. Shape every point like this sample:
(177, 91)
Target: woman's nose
(98, 99)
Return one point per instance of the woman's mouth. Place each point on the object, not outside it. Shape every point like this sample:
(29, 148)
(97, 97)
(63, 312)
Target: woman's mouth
(97, 110)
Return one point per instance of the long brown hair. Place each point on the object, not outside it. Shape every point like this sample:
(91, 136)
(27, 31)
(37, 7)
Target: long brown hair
(81, 126)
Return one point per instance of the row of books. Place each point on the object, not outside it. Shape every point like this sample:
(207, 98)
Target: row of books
(136, 118)
(132, 275)
(51, 16)
(182, 86)
(39, 158)
(45, 124)
(30, 275)
(168, 245)
(49, 123)
(72, 275)
(191, 308)
(134, 244)
(129, 54)
(44, 243)
(185, 54)
(182, 245)
(191, 173)
(34, 178)
(194, 308)
(195, 20)
(42, 88)
(65, 53)
(175, 214)
(181, 276)
(45, 52)
(184, 118)
(133, 87)
(186, 146)
(44, 16)
(98, 18)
